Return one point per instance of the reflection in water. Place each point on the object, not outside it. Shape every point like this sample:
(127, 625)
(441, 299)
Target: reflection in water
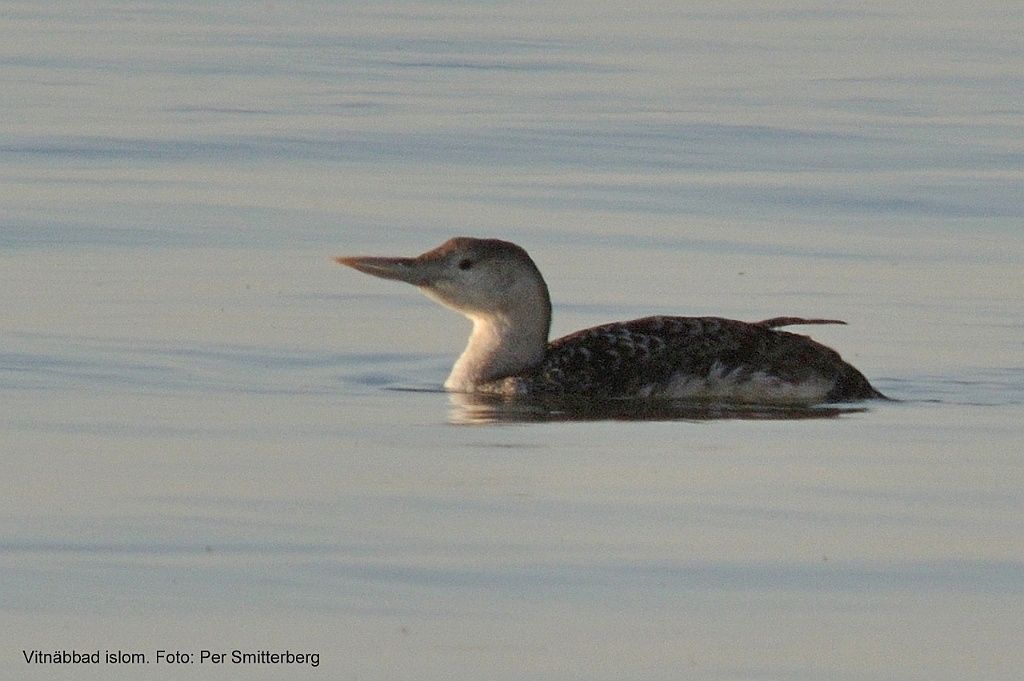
(482, 409)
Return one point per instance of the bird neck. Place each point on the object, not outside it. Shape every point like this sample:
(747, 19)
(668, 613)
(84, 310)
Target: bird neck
(501, 345)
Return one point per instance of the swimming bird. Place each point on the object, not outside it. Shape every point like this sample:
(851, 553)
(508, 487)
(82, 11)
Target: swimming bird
(499, 288)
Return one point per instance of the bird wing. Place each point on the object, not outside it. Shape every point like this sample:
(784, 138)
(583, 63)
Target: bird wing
(627, 358)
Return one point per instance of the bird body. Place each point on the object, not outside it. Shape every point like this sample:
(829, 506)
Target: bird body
(498, 286)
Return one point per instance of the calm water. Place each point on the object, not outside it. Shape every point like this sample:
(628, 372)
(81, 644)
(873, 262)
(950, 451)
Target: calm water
(215, 439)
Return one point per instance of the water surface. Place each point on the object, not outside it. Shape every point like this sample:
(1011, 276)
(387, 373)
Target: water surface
(215, 438)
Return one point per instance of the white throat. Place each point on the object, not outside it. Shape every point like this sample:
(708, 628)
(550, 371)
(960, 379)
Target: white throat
(500, 345)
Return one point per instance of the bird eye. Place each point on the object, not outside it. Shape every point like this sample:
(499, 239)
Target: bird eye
(465, 264)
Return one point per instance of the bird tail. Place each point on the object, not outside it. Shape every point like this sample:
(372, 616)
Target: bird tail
(777, 322)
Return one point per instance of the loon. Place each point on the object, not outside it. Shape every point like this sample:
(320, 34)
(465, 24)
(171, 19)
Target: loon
(498, 287)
